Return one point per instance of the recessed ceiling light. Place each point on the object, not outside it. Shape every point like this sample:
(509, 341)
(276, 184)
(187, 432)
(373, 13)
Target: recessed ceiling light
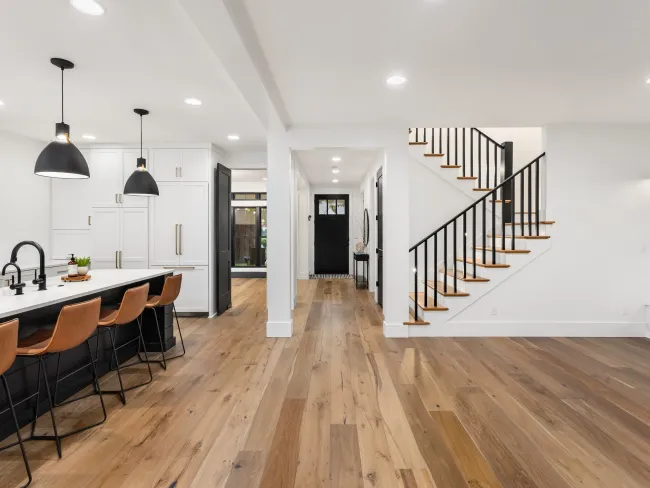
(335, 170)
(335, 181)
(648, 81)
(336, 159)
(264, 178)
(1, 103)
(90, 137)
(395, 80)
(233, 137)
(88, 7)
(193, 101)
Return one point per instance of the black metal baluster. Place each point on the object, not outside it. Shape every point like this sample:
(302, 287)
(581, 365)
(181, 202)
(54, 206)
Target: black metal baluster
(474, 238)
(465, 245)
(537, 213)
(444, 249)
(448, 156)
(471, 152)
(417, 134)
(494, 228)
(439, 141)
(456, 145)
(521, 202)
(455, 259)
(513, 208)
(484, 232)
(426, 274)
(478, 138)
(487, 166)
(503, 223)
(464, 155)
(435, 264)
(416, 284)
(496, 168)
(530, 200)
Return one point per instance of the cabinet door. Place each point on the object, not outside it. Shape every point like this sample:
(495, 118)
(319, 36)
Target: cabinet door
(166, 163)
(196, 165)
(134, 233)
(71, 202)
(194, 294)
(129, 163)
(66, 242)
(106, 177)
(194, 230)
(105, 235)
(164, 221)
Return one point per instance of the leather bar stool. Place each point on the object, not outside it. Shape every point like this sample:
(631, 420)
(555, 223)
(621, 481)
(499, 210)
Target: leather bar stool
(171, 290)
(74, 326)
(130, 310)
(8, 347)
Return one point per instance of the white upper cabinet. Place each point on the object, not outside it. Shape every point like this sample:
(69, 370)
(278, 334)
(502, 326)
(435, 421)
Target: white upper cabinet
(71, 202)
(165, 220)
(106, 177)
(181, 164)
(119, 238)
(129, 163)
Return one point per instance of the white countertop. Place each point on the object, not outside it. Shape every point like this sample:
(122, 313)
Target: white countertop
(102, 279)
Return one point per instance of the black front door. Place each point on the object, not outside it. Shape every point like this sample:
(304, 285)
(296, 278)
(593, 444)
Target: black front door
(223, 226)
(331, 234)
(380, 238)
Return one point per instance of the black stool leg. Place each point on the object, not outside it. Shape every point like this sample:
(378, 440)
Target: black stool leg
(180, 334)
(117, 361)
(38, 395)
(96, 380)
(144, 346)
(162, 361)
(20, 438)
(49, 399)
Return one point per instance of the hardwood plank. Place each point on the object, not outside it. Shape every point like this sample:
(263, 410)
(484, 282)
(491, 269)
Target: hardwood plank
(345, 463)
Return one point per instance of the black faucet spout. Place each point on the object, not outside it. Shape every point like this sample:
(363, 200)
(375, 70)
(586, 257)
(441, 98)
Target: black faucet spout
(42, 278)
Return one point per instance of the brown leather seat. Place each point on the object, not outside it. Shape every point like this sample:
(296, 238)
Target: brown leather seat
(75, 324)
(8, 341)
(130, 309)
(170, 292)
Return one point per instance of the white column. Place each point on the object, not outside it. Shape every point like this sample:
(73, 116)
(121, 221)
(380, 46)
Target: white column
(396, 235)
(279, 263)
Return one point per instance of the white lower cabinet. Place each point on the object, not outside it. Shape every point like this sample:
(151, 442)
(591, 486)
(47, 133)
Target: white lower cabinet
(194, 295)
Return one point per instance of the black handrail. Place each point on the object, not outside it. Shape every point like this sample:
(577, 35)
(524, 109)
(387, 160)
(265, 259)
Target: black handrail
(487, 137)
(507, 213)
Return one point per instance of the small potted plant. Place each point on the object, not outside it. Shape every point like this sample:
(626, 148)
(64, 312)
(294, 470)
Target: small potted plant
(83, 264)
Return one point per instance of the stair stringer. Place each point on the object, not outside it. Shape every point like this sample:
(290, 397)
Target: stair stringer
(437, 320)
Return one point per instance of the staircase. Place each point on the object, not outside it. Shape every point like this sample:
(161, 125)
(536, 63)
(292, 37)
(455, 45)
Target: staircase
(487, 242)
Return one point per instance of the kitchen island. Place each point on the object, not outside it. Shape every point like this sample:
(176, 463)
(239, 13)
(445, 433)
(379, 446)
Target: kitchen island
(39, 309)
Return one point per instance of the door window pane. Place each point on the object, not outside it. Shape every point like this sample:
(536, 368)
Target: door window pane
(331, 207)
(322, 207)
(340, 207)
(263, 237)
(245, 236)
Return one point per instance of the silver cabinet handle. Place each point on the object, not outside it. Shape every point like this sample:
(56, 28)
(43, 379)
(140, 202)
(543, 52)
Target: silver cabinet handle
(116, 266)
(121, 198)
(181, 171)
(179, 267)
(89, 220)
(176, 171)
(120, 259)
(176, 239)
(180, 239)
(116, 198)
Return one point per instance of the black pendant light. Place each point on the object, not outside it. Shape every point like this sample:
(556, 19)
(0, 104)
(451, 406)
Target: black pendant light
(61, 158)
(141, 183)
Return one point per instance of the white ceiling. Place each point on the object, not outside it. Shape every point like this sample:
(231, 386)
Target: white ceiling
(140, 53)
(248, 175)
(468, 62)
(317, 166)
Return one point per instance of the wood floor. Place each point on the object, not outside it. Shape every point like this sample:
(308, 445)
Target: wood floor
(340, 406)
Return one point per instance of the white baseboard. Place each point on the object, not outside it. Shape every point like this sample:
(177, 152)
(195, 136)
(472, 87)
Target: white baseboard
(532, 329)
(303, 276)
(396, 330)
(279, 329)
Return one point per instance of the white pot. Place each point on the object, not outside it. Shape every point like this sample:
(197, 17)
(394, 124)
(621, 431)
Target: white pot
(83, 270)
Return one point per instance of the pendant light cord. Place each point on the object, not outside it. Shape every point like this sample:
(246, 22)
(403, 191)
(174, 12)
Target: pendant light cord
(140, 136)
(62, 120)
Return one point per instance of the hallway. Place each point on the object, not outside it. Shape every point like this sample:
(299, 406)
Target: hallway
(338, 405)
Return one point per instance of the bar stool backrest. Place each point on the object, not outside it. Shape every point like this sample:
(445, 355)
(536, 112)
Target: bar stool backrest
(133, 303)
(75, 324)
(8, 344)
(171, 289)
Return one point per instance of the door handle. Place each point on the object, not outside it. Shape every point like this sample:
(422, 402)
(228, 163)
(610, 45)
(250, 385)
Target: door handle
(180, 239)
(179, 267)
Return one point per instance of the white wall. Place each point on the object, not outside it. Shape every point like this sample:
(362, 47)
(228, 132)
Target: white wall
(248, 186)
(368, 199)
(596, 277)
(24, 198)
(527, 142)
(246, 159)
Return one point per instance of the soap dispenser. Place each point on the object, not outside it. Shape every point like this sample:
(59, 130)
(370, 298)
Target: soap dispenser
(73, 268)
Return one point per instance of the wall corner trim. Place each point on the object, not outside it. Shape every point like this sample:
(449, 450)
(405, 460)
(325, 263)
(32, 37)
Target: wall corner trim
(396, 330)
(279, 329)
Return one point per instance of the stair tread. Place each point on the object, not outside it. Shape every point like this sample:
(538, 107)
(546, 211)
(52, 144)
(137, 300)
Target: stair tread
(421, 143)
(523, 237)
(439, 286)
(434, 155)
(467, 177)
(505, 251)
(469, 279)
(484, 189)
(416, 322)
(480, 263)
(533, 222)
(452, 166)
(501, 201)
(429, 307)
